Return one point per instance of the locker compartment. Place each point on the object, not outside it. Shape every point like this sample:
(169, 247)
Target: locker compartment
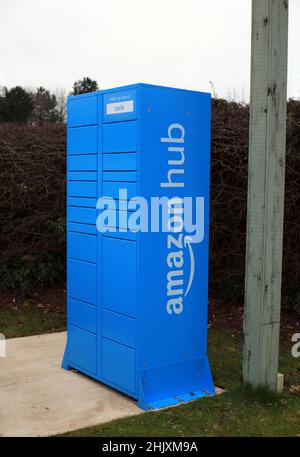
(120, 162)
(131, 236)
(82, 349)
(118, 365)
(82, 111)
(120, 106)
(82, 315)
(81, 189)
(82, 162)
(118, 219)
(119, 328)
(82, 140)
(119, 276)
(82, 281)
(82, 201)
(81, 215)
(120, 137)
(111, 189)
(81, 228)
(82, 176)
(82, 246)
(120, 205)
(119, 176)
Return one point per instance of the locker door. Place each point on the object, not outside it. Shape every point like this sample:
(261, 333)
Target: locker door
(119, 247)
(82, 165)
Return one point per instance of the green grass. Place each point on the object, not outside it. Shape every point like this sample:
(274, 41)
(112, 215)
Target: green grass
(237, 412)
(28, 319)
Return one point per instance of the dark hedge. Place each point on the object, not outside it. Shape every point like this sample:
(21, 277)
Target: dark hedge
(32, 207)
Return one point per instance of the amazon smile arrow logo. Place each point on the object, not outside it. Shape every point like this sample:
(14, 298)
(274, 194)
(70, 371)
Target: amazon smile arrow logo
(187, 243)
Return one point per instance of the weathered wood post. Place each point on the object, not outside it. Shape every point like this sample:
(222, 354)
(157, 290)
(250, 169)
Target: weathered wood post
(265, 192)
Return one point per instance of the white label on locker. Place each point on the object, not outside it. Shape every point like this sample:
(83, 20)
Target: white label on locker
(119, 107)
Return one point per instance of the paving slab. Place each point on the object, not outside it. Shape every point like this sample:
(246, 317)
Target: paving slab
(38, 398)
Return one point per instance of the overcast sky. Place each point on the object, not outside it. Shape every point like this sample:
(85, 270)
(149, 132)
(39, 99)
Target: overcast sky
(181, 43)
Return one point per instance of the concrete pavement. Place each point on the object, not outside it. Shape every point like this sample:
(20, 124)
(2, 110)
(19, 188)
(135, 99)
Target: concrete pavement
(38, 398)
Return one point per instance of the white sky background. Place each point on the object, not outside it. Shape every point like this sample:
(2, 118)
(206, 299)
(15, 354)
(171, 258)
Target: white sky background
(181, 43)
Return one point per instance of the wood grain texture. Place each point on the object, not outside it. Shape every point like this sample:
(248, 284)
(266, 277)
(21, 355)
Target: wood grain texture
(265, 191)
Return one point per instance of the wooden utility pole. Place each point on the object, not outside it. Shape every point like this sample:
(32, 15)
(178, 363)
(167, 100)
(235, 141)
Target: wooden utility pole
(265, 192)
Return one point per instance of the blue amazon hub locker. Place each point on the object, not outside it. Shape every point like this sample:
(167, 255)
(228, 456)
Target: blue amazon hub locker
(138, 170)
